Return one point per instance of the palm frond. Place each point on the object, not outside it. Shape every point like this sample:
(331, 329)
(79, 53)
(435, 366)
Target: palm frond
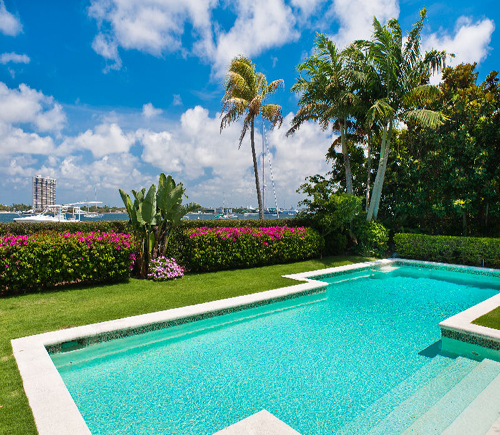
(425, 117)
(272, 113)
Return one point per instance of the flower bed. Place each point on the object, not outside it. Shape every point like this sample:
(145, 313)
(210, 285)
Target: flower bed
(210, 249)
(34, 262)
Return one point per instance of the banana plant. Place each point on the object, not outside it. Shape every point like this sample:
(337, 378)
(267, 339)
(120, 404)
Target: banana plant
(153, 216)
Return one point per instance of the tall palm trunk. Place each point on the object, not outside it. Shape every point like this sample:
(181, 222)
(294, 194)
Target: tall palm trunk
(379, 179)
(368, 171)
(345, 153)
(255, 170)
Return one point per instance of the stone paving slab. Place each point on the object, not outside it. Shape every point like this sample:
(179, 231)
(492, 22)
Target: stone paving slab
(262, 423)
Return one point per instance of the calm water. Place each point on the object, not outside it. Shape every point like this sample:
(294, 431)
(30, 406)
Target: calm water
(314, 362)
(9, 217)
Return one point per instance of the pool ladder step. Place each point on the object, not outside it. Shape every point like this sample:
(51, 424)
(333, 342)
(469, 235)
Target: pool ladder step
(467, 409)
(408, 411)
(387, 403)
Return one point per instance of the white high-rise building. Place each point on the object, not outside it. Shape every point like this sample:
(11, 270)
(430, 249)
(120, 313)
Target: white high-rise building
(44, 192)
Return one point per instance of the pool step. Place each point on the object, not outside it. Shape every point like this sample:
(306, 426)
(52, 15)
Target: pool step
(455, 401)
(387, 403)
(480, 415)
(408, 411)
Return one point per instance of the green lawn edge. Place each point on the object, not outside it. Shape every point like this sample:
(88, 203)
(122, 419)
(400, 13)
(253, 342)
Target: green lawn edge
(490, 320)
(31, 314)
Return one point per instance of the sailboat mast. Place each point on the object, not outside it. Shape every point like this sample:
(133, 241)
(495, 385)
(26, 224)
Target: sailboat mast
(263, 166)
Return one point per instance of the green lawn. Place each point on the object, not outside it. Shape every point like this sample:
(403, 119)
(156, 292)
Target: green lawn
(36, 313)
(490, 320)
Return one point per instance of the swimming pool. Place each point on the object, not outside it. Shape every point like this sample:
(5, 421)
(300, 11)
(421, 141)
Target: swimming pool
(319, 362)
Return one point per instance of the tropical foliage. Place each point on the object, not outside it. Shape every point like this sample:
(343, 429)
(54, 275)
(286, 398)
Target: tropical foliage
(447, 180)
(327, 95)
(366, 90)
(153, 216)
(246, 92)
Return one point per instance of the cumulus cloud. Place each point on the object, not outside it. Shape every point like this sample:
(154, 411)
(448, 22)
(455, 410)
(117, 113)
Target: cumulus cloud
(26, 105)
(9, 24)
(14, 58)
(196, 148)
(149, 111)
(147, 25)
(15, 140)
(105, 139)
(157, 28)
(260, 25)
(355, 18)
(470, 43)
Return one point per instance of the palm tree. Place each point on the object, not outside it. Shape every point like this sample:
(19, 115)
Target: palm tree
(246, 91)
(395, 69)
(327, 95)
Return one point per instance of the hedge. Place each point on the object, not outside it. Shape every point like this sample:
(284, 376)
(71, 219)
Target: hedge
(217, 248)
(35, 262)
(473, 251)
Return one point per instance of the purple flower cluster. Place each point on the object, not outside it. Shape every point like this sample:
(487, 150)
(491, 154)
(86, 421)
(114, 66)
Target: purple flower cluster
(163, 268)
(225, 233)
(118, 240)
(9, 240)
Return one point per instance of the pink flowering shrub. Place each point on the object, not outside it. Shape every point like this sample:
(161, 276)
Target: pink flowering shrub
(35, 262)
(209, 249)
(163, 268)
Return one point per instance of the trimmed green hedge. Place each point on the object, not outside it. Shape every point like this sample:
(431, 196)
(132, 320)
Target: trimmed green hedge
(35, 262)
(473, 251)
(217, 248)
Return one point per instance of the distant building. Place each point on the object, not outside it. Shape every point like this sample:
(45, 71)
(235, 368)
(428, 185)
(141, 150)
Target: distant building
(44, 192)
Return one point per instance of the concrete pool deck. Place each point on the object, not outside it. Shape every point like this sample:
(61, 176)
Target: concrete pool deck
(55, 411)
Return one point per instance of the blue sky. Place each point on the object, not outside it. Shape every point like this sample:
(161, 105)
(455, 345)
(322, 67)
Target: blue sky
(106, 94)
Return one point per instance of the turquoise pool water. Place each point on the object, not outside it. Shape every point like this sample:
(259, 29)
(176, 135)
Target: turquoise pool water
(315, 362)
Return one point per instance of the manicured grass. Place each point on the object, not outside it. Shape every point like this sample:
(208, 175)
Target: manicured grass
(36, 313)
(490, 320)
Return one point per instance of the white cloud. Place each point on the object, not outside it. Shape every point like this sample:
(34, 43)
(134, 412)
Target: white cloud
(355, 17)
(14, 141)
(14, 58)
(196, 148)
(156, 27)
(107, 48)
(9, 24)
(105, 139)
(26, 105)
(470, 43)
(260, 25)
(149, 111)
(177, 100)
(152, 26)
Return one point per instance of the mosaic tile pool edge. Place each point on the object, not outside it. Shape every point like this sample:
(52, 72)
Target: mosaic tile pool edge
(127, 332)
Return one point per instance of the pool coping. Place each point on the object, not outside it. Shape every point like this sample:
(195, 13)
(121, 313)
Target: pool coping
(53, 408)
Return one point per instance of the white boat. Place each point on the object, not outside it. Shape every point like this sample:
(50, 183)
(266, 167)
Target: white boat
(87, 213)
(54, 213)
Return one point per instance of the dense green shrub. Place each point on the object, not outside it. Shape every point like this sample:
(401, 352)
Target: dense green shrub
(218, 248)
(473, 251)
(335, 243)
(35, 262)
(24, 228)
(371, 239)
